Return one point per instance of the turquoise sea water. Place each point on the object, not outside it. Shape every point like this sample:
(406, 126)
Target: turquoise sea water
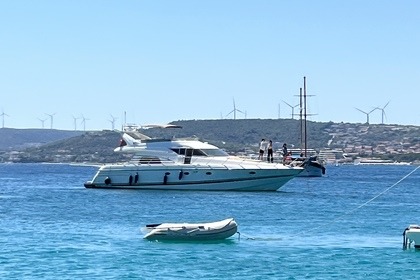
(51, 227)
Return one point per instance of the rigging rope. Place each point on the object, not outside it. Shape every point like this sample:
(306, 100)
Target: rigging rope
(363, 204)
(337, 218)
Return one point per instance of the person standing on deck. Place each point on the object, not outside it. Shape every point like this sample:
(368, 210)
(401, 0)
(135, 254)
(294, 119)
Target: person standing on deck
(284, 152)
(262, 149)
(270, 151)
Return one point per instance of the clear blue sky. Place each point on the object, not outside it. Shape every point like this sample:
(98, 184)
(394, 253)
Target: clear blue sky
(162, 61)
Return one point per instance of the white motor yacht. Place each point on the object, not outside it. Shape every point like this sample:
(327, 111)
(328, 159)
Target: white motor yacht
(187, 164)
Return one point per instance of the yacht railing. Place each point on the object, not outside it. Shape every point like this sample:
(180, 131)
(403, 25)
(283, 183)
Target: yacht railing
(230, 161)
(209, 162)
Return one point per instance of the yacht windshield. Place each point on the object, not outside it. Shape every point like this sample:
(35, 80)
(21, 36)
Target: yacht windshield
(215, 152)
(201, 152)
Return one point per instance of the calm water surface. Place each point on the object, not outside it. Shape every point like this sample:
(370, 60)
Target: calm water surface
(346, 225)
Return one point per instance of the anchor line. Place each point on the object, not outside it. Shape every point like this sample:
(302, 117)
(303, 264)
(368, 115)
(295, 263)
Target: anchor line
(340, 216)
(363, 204)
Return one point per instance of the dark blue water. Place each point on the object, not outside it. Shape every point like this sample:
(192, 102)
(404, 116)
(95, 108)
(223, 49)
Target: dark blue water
(348, 225)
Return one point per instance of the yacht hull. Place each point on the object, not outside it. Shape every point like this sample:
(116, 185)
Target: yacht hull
(181, 177)
(312, 169)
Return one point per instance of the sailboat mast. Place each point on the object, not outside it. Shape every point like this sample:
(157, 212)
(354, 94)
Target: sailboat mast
(301, 120)
(304, 102)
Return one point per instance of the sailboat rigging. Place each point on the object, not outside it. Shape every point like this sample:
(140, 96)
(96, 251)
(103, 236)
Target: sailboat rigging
(313, 167)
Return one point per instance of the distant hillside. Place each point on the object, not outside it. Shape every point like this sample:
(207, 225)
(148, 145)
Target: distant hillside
(95, 147)
(18, 139)
(236, 135)
(397, 142)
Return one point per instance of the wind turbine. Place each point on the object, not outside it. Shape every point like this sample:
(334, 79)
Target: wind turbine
(3, 114)
(293, 108)
(42, 121)
(235, 110)
(75, 122)
(84, 122)
(51, 118)
(113, 121)
(367, 113)
(383, 111)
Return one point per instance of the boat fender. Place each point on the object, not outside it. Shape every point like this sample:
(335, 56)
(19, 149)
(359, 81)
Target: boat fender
(107, 181)
(136, 178)
(165, 178)
(130, 180)
(180, 175)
